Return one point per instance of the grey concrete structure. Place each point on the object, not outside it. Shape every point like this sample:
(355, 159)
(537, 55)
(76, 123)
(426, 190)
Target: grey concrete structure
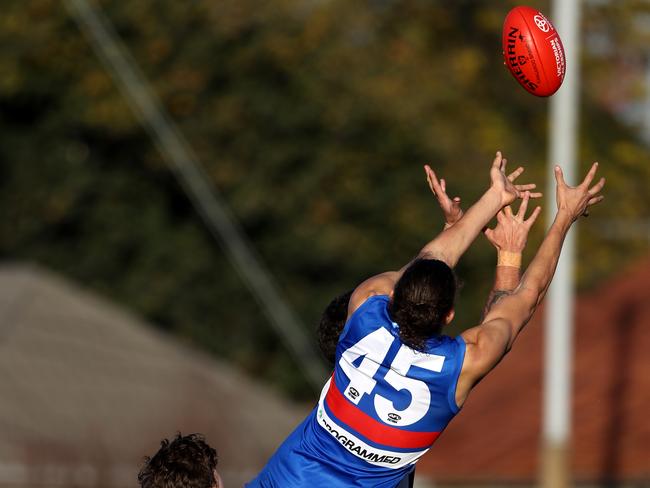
(87, 390)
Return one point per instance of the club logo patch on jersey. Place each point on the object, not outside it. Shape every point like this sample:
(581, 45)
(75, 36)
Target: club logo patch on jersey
(393, 417)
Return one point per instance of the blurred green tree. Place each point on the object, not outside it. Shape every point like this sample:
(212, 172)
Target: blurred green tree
(313, 119)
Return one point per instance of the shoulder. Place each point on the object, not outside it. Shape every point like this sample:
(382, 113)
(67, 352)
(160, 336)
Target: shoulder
(379, 285)
(455, 349)
(375, 305)
(444, 342)
(371, 314)
(485, 347)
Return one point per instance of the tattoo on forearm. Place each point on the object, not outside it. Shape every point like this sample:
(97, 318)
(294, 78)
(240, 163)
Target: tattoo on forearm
(494, 297)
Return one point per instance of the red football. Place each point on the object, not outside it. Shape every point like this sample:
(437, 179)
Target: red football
(533, 51)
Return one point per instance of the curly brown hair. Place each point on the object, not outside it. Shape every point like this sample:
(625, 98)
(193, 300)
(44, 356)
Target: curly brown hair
(186, 462)
(331, 325)
(422, 299)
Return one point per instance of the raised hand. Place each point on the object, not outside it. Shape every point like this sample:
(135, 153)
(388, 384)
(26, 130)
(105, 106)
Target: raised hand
(511, 232)
(504, 185)
(522, 188)
(450, 207)
(575, 201)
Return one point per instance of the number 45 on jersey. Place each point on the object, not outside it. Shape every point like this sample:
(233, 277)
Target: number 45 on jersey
(374, 347)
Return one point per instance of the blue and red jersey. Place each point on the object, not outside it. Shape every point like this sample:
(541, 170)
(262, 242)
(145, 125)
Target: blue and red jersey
(381, 410)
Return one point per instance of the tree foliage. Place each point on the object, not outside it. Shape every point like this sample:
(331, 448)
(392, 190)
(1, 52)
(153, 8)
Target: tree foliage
(313, 119)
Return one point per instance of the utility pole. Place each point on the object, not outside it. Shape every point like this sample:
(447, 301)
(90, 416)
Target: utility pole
(558, 343)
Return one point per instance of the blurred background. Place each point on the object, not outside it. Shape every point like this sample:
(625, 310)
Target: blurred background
(127, 314)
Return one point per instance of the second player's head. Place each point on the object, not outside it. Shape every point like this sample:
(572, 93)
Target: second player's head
(423, 301)
(331, 325)
(185, 462)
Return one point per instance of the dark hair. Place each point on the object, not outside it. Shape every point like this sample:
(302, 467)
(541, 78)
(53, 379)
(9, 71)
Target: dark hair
(185, 462)
(331, 325)
(422, 298)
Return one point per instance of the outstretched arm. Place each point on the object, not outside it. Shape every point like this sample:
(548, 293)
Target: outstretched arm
(453, 242)
(509, 238)
(489, 342)
(333, 320)
(450, 207)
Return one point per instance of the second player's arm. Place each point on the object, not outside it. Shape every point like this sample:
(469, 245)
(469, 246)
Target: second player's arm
(509, 238)
(451, 244)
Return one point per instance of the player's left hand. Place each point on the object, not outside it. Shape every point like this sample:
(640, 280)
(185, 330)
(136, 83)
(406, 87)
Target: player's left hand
(450, 206)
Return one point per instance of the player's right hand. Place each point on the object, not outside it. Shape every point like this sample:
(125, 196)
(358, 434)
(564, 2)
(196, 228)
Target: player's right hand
(575, 201)
(504, 185)
(511, 232)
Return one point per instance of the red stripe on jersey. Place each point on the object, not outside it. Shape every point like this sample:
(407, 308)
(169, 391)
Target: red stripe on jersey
(376, 431)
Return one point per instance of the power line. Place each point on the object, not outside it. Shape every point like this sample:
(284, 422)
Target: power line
(183, 162)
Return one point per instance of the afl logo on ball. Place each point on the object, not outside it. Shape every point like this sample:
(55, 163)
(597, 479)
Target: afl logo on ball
(541, 22)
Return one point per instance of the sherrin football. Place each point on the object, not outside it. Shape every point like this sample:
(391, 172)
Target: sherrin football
(533, 51)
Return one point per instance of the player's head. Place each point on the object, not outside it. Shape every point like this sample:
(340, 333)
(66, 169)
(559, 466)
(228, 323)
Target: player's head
(331, 324)
(423, 301)
(185, 462)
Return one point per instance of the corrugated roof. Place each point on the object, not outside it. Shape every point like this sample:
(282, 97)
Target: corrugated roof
(497, 434)
(88, 389)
